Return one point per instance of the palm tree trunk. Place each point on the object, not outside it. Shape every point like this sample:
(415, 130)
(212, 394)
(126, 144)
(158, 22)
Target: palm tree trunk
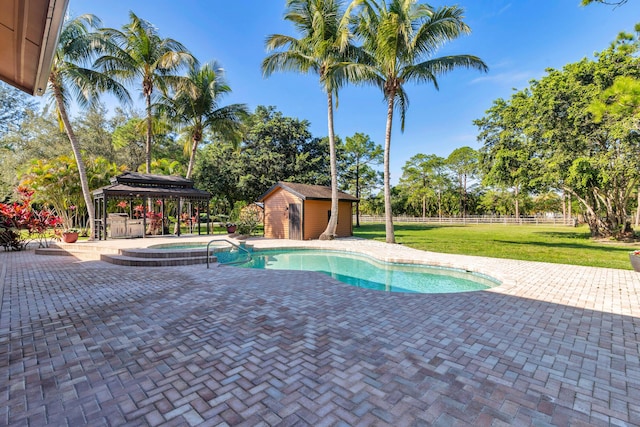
(391, 238)
(192, 160)
(192, 157)
(637, 222)
(517, 204)
(358, 194)
(464, 197)
(148, 145)
(75, 146)
(330, 231)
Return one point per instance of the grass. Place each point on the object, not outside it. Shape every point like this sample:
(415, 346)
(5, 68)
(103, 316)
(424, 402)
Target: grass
(564, 245)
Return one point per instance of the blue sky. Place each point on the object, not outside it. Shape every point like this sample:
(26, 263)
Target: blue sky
(517, 39)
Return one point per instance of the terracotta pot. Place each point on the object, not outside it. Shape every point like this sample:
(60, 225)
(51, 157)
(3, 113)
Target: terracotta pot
(231, 229)
(69, 237)
(635, 261)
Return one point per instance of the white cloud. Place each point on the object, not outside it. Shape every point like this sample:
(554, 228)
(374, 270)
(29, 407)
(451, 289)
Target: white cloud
(506, 78)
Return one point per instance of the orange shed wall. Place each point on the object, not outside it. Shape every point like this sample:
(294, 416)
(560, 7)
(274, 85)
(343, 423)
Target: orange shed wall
(276, 214)
(316, 218)
(345, 219)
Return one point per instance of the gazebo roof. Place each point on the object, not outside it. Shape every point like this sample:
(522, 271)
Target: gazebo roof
(152, 180)
(134, 184)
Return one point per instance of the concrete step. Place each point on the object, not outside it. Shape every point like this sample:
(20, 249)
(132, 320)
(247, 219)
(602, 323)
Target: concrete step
(81, 254)
(133, 261)
(160, 253)
(134, 257)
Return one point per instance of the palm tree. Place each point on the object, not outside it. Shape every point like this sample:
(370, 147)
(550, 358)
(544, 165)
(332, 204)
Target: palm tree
(195, 107)
(323, 47)
(140, 54)
(401, 38)
(78, 45)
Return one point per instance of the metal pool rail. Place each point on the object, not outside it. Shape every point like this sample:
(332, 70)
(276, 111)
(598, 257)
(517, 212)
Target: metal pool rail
(240, 248)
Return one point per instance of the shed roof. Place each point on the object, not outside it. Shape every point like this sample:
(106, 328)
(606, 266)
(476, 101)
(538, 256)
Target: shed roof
(307, 192)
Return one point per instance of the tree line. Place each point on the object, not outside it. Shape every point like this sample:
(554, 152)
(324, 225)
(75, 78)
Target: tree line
(383, 43)
(567, 141)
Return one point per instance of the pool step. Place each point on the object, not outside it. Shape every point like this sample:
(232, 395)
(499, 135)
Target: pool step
(163, 253)
(145, 261)
(141, 257)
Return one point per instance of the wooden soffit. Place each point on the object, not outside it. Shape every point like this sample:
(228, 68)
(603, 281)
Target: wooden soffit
(29, 31)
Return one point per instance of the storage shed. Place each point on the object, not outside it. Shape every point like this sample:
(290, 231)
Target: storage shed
(302, 211)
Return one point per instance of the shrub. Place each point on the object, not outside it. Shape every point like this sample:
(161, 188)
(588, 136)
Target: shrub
(20, 223)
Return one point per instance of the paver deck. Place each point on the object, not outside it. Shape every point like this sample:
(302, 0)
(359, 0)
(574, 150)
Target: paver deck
(91, 343)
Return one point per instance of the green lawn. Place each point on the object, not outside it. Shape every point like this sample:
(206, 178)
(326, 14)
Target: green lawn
(566, 245)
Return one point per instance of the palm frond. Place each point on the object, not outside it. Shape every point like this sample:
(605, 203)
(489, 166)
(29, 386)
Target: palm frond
(287, 61)
(427, 71)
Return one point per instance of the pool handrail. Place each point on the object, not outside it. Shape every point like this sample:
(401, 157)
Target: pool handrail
(239, 247)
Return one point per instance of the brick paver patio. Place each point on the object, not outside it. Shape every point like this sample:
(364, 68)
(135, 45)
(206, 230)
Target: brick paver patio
(90, 343)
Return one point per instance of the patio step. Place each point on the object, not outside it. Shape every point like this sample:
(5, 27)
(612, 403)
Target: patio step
(137, 261)
(136, 257)
(83, 253)
(163, 253)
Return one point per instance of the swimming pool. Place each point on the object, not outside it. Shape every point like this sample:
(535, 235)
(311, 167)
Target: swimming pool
(365, 272)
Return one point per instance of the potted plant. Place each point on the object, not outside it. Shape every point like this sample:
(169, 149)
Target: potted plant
(70, 235)
(231, 227)
(634, 257)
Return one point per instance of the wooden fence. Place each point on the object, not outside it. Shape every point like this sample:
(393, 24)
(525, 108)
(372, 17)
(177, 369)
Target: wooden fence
(488, 219)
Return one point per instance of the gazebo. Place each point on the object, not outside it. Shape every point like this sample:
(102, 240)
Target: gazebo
(149, 190)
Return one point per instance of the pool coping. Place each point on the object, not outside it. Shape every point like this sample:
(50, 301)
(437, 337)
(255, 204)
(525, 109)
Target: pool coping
(380, 251)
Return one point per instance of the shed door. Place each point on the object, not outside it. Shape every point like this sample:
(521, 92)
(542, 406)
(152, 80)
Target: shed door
(295, 224)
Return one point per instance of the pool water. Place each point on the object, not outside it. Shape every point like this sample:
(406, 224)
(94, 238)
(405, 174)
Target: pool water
(365, 272)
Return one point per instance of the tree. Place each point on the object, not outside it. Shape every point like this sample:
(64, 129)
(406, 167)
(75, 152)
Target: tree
(322, 47)
(13, 107)
(621, 104)
(56, 183)
(93, 131)
(359, 153)
(507, 158)
(138, 53)
(567, 132)
(463, 162)
(423, 176)
(195, 107)
(38, 136)
(401, 38)
(165, 166)
(274, 148)
(69, 75)
(611, 3)
(130, 138)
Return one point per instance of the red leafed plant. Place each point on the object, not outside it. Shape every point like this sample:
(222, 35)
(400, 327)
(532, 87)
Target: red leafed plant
(20, 223)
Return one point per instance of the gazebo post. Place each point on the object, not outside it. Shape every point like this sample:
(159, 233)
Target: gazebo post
(145, 201)
(104, 215)
(95, 218)
(208, 220)
(178, 214)
(162, 217)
